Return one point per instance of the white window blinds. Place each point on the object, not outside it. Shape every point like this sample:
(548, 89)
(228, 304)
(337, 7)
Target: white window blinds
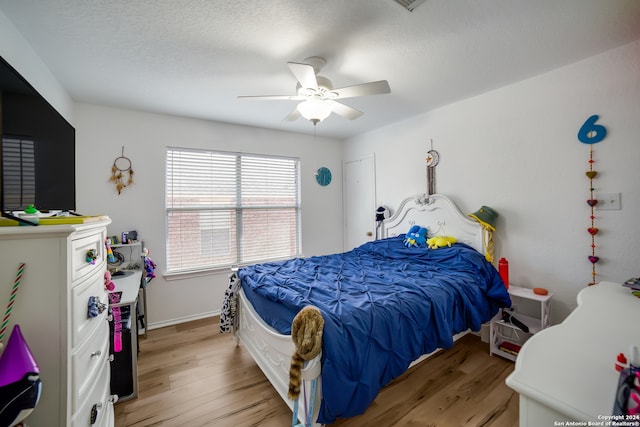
(229, 208)
(19, 172)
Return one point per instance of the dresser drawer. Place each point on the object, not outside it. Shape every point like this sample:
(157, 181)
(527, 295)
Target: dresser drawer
(83, 325)
(80, 247)
(98, 396)
(87, 361)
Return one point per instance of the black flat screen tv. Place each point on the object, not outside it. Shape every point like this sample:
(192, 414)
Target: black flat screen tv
(38, 149)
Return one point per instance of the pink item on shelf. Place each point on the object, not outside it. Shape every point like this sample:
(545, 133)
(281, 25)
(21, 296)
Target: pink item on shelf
(109, 284)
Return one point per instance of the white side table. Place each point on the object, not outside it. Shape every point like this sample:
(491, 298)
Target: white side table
(505, 339)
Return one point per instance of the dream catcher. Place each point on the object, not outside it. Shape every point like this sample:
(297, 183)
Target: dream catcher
(432, 161)
(590, 133)
(121, 172)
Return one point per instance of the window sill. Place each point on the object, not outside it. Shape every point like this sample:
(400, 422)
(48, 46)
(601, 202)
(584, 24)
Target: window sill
(199, 273)
(216, 270)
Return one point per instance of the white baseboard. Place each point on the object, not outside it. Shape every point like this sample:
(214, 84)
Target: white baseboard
(172, 322)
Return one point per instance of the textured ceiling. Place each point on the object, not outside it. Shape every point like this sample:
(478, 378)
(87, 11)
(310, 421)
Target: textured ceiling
(194, 57)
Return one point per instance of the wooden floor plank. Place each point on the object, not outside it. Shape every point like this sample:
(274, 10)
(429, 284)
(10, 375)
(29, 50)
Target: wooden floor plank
(191, 375)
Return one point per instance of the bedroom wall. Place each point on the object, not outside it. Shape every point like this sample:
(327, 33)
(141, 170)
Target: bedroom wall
(15, 50)
(516, 149)
(101, 132)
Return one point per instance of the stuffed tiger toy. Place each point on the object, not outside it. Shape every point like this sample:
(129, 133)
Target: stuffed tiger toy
(306, 333)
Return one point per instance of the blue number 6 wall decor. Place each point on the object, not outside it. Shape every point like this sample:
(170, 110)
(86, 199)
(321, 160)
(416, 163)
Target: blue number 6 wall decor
(590, 132)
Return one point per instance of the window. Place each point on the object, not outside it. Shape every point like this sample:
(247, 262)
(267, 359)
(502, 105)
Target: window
(19, 172)
(230, 208)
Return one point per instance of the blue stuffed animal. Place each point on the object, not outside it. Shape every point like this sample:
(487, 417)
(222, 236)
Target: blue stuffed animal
(416, 237)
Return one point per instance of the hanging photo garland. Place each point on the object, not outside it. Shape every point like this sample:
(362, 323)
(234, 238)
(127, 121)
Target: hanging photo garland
(121, 167)
(590, 133)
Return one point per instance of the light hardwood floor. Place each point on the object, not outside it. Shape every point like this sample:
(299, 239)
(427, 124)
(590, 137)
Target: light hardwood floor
(191, 375)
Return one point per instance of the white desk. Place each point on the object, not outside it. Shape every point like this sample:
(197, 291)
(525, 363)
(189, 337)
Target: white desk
(124, 365)
(129, 285)
(566, 372)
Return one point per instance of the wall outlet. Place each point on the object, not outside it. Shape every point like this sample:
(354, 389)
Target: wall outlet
(610, 201)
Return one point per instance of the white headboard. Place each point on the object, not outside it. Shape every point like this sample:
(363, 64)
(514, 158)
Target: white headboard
(439, 215)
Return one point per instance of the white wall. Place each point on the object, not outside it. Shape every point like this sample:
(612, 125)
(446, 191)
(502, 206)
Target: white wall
(101, 132)
(17, 52)
(516, 149)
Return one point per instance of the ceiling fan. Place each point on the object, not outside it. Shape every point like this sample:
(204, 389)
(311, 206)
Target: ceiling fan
(318, 95)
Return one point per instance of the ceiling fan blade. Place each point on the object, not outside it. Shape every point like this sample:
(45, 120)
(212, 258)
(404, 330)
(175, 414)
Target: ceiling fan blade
(271, 97)
(345, 111)
(371, 88)
(292, 116)
(304, 74)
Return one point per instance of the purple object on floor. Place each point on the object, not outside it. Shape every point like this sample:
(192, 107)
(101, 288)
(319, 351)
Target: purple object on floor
(16, 359)
(20, 384)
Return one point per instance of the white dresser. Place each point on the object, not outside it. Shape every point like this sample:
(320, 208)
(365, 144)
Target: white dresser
(71, 348)
(566, 372)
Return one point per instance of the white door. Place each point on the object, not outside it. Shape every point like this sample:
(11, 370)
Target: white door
(359, 201)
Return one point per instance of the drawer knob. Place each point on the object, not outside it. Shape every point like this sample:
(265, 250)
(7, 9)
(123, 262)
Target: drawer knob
(95, 307)
(91, 257)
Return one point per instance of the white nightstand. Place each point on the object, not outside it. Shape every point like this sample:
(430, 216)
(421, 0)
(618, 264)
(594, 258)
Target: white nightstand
(531, 309)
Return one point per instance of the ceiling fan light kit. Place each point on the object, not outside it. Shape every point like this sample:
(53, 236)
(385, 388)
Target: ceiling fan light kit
(315, 110)
(317, 93)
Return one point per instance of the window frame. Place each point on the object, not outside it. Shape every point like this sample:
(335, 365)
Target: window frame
(239, 208)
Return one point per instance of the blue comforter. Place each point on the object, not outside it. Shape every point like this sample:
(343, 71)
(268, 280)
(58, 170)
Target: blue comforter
(384, 305)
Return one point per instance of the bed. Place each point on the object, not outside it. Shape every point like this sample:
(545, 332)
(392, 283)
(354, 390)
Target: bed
(385, 307)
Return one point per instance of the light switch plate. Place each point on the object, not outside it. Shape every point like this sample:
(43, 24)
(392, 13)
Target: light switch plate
(610, 201)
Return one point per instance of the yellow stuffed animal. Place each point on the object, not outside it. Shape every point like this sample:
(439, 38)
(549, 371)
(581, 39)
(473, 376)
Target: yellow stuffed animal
(440, 241)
